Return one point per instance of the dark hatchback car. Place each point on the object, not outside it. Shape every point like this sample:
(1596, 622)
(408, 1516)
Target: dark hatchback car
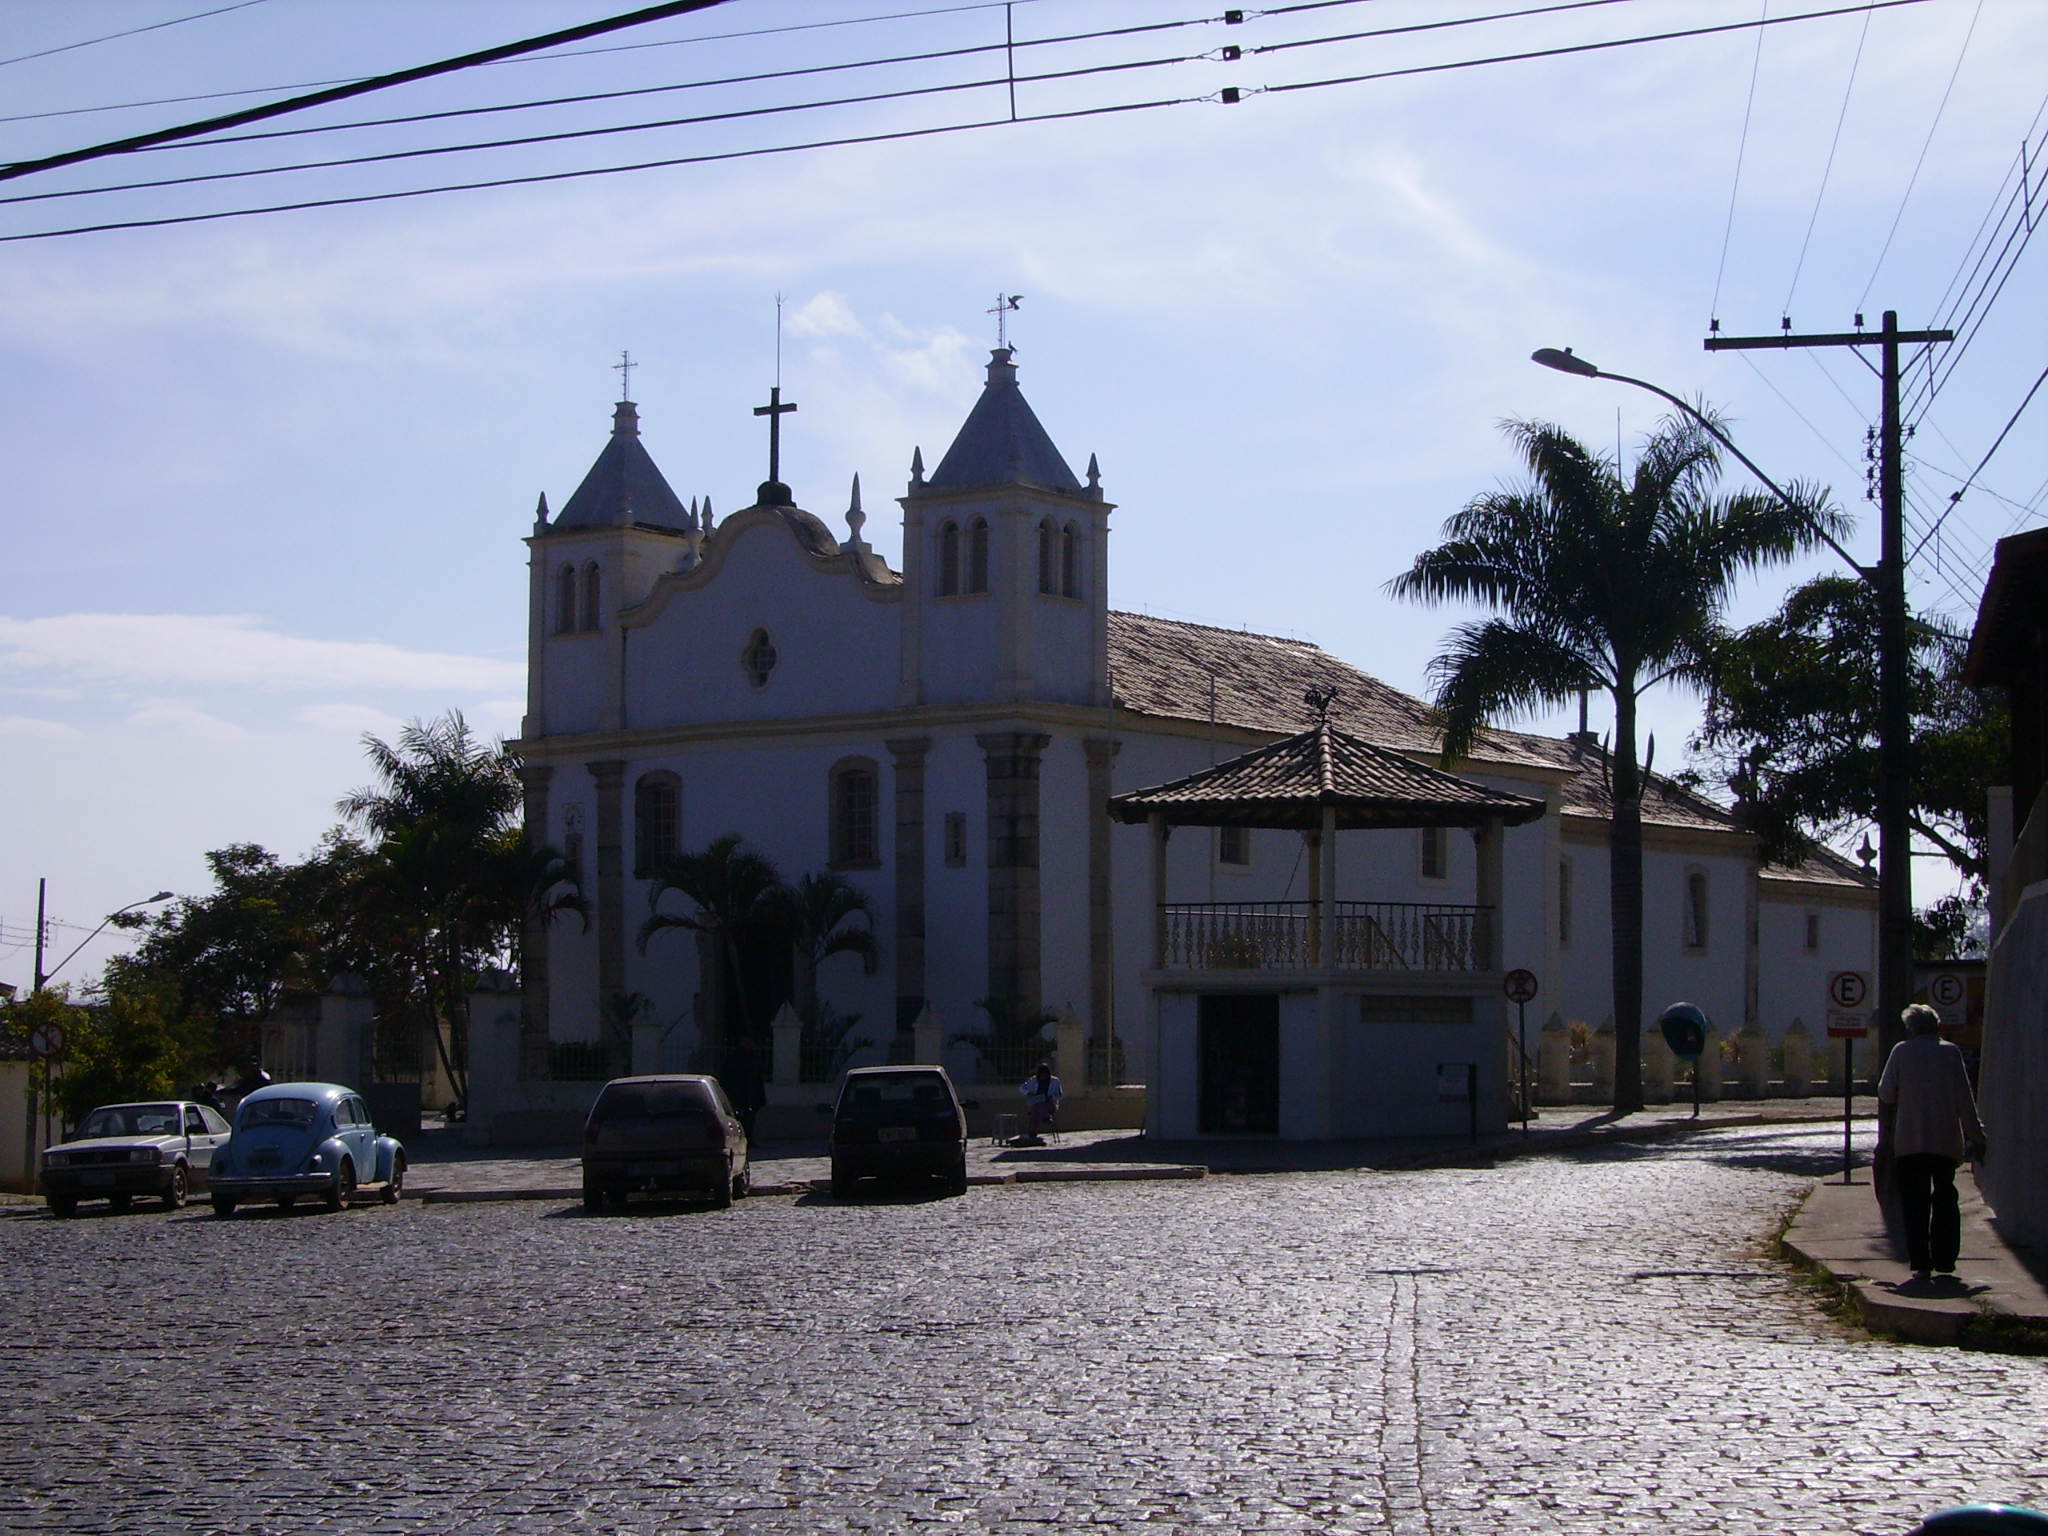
(663, 1134)
(898, 1123)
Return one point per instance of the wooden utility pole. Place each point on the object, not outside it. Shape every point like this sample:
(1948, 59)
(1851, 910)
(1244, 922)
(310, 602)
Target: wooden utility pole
(1894, 719)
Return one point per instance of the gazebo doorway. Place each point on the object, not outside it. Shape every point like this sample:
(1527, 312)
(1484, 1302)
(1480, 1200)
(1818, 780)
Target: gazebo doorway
(1238, 1062)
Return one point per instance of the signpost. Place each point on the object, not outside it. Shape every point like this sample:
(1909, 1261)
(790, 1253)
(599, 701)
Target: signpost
(1520, 986)
(1945, 990)
(1847, 991)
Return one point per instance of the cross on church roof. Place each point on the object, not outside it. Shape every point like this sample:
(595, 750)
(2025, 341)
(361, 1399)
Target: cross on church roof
(624, 368)
(775, 410)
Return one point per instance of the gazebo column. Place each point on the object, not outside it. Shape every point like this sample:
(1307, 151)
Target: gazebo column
(1486, 938)
(1315, 898)
(1326, 904)
(1157, 825)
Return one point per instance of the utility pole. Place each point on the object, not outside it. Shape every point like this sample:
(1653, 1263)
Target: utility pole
(42, 889)
(1894, 713)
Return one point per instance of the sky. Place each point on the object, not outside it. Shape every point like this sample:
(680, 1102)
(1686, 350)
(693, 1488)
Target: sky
(264, 479)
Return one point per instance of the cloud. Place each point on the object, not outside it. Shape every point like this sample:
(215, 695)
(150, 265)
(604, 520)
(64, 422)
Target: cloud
(24, 726)
(183, 719)
(232, 650)
(350, 719)
(828, 314)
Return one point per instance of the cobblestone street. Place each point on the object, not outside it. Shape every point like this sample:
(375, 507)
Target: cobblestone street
(1595, 1342)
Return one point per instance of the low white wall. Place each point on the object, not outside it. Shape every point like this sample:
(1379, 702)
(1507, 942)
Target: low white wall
(2013, 1074)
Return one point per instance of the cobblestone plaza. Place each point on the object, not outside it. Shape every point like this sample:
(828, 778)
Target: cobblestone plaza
(1588, 1342)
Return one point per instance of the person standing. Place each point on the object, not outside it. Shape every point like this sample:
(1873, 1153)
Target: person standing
(1927, 1123)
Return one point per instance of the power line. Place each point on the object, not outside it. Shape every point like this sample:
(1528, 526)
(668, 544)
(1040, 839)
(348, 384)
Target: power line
(1735, 184)
(155, 26)
(661, 12)
(1913, 180)
(1848, 92)
(1957, 495)
(1228, 96)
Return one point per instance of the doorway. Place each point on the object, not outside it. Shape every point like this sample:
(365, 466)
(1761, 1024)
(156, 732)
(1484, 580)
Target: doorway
(1238, 1061)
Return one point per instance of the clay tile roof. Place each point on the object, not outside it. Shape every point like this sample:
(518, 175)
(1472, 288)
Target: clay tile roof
(1289, 783)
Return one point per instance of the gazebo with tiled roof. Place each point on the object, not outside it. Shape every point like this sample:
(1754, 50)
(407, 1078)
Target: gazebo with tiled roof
(1320, 782)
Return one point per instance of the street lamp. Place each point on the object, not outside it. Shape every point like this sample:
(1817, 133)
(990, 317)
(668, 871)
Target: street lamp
(1894, 734)
(41, 975)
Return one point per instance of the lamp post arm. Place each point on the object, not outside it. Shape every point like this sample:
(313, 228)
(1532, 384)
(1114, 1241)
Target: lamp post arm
(45, 976)
(1747, 463)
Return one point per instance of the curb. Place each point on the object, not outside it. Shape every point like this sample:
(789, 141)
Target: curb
(432, 1196)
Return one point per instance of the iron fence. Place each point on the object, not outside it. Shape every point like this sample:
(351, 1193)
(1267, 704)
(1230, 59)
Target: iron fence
(1364, 935)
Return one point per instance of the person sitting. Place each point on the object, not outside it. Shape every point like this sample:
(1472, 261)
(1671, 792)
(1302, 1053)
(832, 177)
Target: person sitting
(1041, 1093)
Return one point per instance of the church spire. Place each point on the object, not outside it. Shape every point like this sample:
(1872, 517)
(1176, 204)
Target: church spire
(1002, 442)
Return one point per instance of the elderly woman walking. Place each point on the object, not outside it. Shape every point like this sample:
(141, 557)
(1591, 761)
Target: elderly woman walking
(1927, 1123)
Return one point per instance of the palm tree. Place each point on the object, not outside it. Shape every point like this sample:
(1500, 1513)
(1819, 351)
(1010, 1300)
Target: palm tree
(821, 911)
(1601, 582)
(449, 876)
(735, 895)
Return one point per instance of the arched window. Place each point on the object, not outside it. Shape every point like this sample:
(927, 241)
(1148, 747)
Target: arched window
(1695, 909)
(565, 601)
(758, 659)
(949, 559)
(593, 611)
(1070, 561)
(977, 555)
(657, 821)
(1048, 569)
(855, 805)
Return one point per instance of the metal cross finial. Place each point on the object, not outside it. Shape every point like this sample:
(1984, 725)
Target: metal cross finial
(1005, 302)
(775, 410)
(624, 368)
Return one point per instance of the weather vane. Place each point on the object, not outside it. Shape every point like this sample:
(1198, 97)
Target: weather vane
(624, 368)
(1319, 699)
(1005, 302)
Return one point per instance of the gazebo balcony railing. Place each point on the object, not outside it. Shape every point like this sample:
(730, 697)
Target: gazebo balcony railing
(1364, 935)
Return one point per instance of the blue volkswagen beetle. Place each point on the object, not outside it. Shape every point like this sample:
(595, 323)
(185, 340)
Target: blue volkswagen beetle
(304, 1139)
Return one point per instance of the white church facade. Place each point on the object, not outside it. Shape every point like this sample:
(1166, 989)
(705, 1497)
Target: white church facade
(948, 738)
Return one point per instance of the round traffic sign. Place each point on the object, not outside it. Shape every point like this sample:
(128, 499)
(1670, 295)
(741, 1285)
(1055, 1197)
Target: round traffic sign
(1520, 986)
(47, 1039)
(1946, 990)
(1848, 989)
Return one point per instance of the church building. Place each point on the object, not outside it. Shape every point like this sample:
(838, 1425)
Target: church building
(970, 742)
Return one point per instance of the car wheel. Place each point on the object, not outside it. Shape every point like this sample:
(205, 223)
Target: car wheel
(395, 1186)
(744, 1184)
(721, 1192)
(956, 1180)
(343, 1189)
(286, 1202)
(62, 1205)
(593, 1197)
(120, 1202)
(223, 1205)
(177, 1190)
(842, 1183)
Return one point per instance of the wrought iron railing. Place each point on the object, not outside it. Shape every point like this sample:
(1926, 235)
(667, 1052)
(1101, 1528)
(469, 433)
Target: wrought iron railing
(1364, 935)
(579, 1061)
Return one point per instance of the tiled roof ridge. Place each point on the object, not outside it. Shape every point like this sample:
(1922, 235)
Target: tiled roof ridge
(1219, 629)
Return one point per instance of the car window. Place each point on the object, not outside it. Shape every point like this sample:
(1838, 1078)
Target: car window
(922, 1091)
(195, 1124)
(290, 1112)
(649, 1101)
(118, 1121)
(360, 1110)
(215, 1122)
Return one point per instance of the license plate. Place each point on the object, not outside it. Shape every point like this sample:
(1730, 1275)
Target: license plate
(896, 1133)
(98, 1180)
(649, 1170)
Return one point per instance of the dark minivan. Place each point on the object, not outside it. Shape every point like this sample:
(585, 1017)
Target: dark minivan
(898, 1123)
(663, 1134)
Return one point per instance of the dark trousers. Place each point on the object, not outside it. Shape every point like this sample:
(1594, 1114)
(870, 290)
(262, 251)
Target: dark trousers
(1926, 1187)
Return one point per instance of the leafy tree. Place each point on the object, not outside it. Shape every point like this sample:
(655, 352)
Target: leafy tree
(826, 916)
(1954, 928)
(1600, 582)
(1015, 1039)
(829, 1042)
(1791, 727)
(226, 960)
(128, 1045)
(735, 898)
(450, 877)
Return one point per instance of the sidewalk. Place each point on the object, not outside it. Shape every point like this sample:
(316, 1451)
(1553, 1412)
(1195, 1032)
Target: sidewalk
(1840, 1233)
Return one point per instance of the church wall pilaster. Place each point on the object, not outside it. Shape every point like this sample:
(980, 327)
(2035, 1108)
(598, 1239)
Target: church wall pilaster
(1012, 760)
(533, 935)
(1101, 755)
(910, 669)
(909, 754)
(610, 775)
